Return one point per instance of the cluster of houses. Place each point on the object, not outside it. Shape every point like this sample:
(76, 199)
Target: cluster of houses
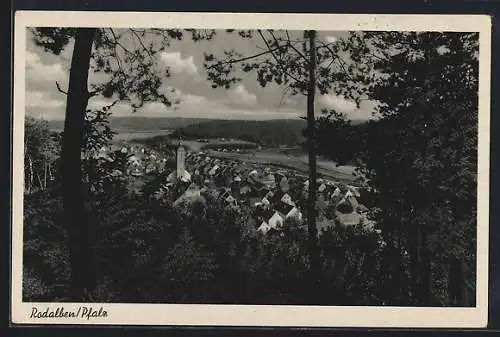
(139, 159)
(273, 195)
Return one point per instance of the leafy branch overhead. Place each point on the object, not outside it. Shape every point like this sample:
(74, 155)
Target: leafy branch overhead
(283, 60)
(380, 67)
(126, 62)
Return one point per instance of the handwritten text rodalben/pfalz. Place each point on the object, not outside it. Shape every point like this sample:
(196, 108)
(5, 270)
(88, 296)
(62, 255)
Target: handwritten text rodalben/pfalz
(81, 312)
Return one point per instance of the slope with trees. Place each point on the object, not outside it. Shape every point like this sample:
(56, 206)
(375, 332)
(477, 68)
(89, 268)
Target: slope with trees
(131, 74)
(272, 133)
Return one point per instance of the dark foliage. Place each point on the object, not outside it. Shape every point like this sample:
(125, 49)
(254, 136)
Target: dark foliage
(199, 252)
(419, 158)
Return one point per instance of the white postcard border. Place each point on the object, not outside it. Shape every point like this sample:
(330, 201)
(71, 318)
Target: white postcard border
(253, 315)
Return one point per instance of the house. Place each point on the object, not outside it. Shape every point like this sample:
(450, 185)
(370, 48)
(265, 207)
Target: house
(288, 211)
(322, 188)
(186, 177)
(278, 176)
(348, 219)
(280, 196)
(178, 188)
(231, 200)
(136, 172)
(355, 191)
(104, 156)
(287, 199)
(244, 190)
(264, 227)
(225, 194)
(253, 173)
(134, 160)
(275, 221)
(191, 194)
(265, 202)
(336, 193)
(272, 220)
(284, 185)
(268, 180)
(269, 195)
(254, 201)
(351, 199)
(213, 170)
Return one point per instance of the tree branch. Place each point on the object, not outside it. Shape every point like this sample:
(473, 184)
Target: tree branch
(116, 56)
(336, 57)
(242, 59)
(283, 94)
(280, 64)
(59, 89)
(107, 107)
(93, 93)
(142, 44)
(293, 47)
(119, 44)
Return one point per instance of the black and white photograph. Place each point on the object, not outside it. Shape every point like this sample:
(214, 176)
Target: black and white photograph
(251, 165)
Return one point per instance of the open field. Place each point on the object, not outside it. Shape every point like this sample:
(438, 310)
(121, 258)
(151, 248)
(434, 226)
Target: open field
(294, 158)
(273, 157)
(127, 135)
(197, 146)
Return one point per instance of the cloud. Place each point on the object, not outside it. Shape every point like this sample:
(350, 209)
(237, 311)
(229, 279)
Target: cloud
(178, 65)
(338, 103)
(37, 71)
(331, 39)
(170, 92)
(193, 99)
(38, 99)
(239, 95)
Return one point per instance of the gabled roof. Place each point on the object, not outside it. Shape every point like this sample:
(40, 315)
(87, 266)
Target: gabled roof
(276, 197)
(283, 208)
(349, 219)
(268, 214)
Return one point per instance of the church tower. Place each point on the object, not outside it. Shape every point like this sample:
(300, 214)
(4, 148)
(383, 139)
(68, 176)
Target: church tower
(181, 159)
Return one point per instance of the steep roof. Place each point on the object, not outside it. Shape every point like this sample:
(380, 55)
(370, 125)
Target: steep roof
(276, 197)
(268, 214)
(283, 208)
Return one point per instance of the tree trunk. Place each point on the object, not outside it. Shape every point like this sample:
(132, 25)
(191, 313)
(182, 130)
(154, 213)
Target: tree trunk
(45, 175)
(51, 176)
(40, 182)
(311, 202)
(80, 243)
(30, 180)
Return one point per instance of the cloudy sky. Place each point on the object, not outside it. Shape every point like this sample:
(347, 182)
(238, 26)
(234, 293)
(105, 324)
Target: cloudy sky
(184, 59)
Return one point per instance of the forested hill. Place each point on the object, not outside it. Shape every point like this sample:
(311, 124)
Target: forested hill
(138, 123)
(267, 133)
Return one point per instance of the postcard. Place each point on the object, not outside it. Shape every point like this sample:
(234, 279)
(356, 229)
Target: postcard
(250, 169)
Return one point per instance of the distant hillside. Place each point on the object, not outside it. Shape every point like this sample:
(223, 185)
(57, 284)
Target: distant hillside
(267, 133)
(141, 123)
